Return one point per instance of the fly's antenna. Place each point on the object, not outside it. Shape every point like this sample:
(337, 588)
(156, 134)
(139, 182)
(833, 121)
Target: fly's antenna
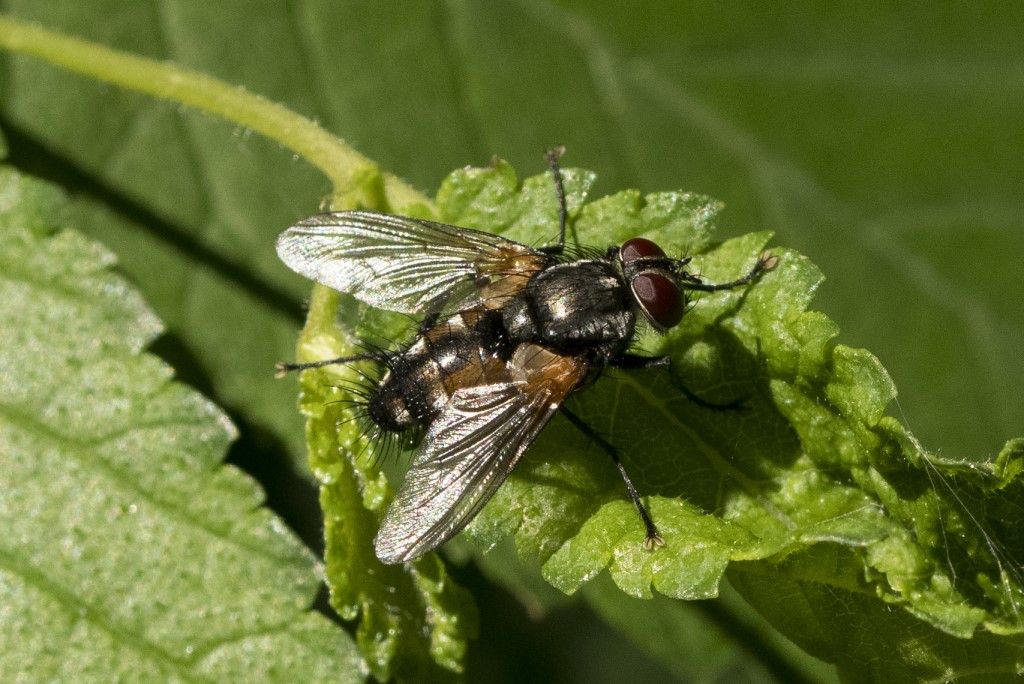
(553, 155)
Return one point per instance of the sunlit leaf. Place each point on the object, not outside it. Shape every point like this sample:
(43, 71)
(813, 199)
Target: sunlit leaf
(810, 462)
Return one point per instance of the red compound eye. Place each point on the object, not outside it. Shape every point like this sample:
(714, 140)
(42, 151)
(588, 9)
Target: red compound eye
(659, 297)
(639, 248)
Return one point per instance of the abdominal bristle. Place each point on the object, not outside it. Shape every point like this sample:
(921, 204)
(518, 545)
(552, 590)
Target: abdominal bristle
(380, 445)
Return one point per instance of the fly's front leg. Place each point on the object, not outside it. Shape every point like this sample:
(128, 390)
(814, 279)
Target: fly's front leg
(765, 262)
(637, 362)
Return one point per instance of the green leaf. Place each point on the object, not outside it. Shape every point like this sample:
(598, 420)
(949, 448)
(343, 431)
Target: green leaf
(721, 640)
(189, 203)
(705, 640)
(885, 160)
(129, 551)
(810, 462)
(414, 620)
(870, 642)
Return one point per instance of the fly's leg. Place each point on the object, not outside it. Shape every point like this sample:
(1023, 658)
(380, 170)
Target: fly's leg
(765, 262)
(553, 156)
(689, 281)
(282, 368)
(653, 539)
(637, 362)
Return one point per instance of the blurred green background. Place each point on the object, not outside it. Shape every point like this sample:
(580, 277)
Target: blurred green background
(883, 141)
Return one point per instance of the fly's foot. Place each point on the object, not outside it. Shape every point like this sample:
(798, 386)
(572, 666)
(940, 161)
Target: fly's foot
(653, 541)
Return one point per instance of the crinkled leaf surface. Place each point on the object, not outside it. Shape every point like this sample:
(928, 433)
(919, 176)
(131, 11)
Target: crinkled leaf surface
(810, 463)
(707, 641)
(867, 640)
(129, 552)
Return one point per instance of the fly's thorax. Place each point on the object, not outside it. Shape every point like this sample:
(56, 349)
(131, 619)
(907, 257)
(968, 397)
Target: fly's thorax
(518, 321)
(581, 305)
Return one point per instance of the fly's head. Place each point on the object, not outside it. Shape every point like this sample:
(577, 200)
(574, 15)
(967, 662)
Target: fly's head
(655, 281)
(658, 284)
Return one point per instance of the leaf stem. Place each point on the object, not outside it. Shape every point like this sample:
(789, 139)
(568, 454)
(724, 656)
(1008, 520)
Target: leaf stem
(356, 179)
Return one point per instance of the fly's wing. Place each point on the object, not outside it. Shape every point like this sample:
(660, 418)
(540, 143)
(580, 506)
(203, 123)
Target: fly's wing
(401, 264)
(469, 450)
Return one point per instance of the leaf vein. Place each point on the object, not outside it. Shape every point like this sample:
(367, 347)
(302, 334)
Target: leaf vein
(75, 607)
(85, 454)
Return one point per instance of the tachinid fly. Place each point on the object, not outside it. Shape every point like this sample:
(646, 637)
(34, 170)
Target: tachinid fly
(508, 332)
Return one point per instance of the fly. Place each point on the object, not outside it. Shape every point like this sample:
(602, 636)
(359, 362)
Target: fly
(508, 333)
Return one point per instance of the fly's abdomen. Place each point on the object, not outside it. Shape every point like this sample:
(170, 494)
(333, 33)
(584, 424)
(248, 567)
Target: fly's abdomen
(422, 378)
(389, 408)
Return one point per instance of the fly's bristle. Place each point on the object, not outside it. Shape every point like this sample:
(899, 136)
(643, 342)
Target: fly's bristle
(383, 446)
(362, 388)
(378, 442)
(365, 376)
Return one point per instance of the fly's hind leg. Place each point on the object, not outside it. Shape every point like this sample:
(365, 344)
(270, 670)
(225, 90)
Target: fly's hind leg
(653, 539)
(637, 362)
(282, 368)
